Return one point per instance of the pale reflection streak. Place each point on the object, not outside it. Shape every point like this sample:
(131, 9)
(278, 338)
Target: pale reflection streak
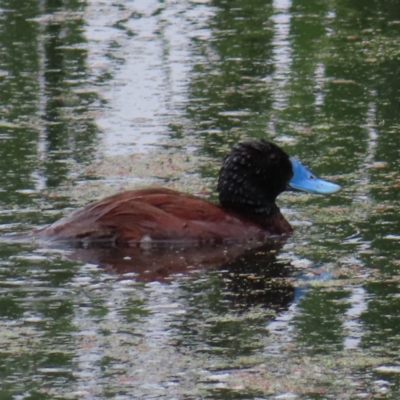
(352, 325)
(281, 329)
(89, 341)
(37, 175)
(319, 74)
(145, 48)
(282, 58)
(282, 52)
(131, 57)
(358, 301)
(143, 354)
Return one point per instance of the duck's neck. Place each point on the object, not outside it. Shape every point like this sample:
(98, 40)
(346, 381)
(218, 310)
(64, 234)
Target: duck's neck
(268, 217)
(253, 204)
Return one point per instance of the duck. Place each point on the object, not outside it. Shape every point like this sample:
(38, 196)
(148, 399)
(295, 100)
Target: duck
(252, 176)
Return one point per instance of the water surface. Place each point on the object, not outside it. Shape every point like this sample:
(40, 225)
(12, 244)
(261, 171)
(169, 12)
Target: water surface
(99, 96)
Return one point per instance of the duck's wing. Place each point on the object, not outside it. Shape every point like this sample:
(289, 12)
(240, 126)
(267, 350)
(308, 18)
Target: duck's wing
(148, 215)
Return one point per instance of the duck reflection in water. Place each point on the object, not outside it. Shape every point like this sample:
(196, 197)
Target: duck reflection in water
(155, 233)
(248, 276)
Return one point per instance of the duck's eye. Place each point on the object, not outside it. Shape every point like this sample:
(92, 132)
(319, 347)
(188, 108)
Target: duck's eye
(312, 177)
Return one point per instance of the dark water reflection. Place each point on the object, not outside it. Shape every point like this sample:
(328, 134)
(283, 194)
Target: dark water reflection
(97, 96)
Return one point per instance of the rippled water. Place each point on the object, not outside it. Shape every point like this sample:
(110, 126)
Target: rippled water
(99, 96)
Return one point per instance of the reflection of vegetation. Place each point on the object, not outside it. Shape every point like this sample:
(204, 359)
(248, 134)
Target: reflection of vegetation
(19, 101)
(319, 325)
(229, 86)
(68, 130)
(10, 308)
(134, 309)
(232, 306)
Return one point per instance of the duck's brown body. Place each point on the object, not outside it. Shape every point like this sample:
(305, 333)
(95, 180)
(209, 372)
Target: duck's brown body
(160, 215)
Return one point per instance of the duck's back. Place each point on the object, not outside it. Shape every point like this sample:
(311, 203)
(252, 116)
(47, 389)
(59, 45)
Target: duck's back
(153, 214)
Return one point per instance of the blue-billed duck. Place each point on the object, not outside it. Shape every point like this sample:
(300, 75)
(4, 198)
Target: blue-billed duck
(253, 174)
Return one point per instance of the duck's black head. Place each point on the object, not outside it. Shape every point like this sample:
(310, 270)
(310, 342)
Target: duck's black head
(256, 172)
(252, 176)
